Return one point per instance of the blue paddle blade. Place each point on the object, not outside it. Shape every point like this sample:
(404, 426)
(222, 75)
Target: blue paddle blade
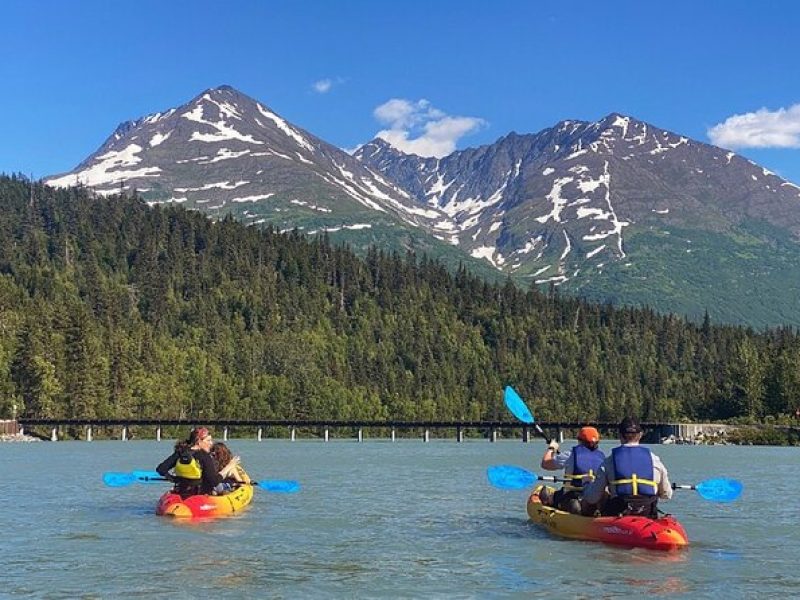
(720, 490)
(517, 407)
(118, 479)
(509, 477)
(284, 487)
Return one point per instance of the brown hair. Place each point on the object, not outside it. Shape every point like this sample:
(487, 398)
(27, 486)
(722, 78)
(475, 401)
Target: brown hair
(195, 435)
(222, 454)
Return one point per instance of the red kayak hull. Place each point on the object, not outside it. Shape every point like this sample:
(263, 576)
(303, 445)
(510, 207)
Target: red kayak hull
(195, 507)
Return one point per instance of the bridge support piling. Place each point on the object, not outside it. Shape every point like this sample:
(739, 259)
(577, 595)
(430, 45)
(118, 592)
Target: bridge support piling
(54, 434)
(427, 436)
(327, 434)
(360, 434)
(294, 434)
(393, 434)
(493, 435)
(225, 434)
(158, 434)
(259, 434)
(560, 436)
(459, 435)
(526, 435)
(125, 433)
(89, 433)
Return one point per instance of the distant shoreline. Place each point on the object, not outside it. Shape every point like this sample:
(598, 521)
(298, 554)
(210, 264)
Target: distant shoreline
(17, 437)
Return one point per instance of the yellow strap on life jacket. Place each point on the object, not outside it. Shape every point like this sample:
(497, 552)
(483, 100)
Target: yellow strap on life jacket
(574, 488)
(635, 481)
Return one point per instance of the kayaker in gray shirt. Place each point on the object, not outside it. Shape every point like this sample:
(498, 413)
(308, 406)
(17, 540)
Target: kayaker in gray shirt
(632, 478)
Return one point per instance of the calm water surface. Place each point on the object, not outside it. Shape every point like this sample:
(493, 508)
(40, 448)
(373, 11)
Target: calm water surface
(378, 520)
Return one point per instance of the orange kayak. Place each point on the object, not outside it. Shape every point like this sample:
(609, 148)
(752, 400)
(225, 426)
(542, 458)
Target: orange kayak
(664, 533)
(201, 506)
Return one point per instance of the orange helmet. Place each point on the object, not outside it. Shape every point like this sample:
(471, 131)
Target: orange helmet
(589, 434)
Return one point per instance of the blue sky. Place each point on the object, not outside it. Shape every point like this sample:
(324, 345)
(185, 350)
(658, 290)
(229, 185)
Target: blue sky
(432, 76)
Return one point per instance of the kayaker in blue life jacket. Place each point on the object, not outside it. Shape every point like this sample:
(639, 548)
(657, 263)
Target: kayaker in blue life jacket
(580, 465)
(194, 469)
(632, 479)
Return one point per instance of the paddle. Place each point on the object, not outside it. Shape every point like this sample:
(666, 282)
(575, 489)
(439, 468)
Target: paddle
(716, 490)
(509, 477)
(125, 479)
(520, 410)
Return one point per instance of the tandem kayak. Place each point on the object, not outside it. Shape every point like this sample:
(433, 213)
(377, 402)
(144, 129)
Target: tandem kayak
(201, 506)
(664, 533)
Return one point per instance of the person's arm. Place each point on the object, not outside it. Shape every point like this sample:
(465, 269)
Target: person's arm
(664, 485)
(230, 469)
(241, 475)
(164, 468)
(211, 478)
(552, 461)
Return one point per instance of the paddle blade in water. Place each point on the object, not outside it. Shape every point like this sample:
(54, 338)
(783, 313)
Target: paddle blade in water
(517, 407)
(720, 490)
(283, 487)
(509, 477)
(118, 479)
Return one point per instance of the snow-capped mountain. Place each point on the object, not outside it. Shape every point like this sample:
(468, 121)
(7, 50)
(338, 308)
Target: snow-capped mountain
(553, 204)
(224, 152)
(613, 210)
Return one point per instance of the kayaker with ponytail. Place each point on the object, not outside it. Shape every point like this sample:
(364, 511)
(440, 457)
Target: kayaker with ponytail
(580, 465)
(194, 469)
(633, 477)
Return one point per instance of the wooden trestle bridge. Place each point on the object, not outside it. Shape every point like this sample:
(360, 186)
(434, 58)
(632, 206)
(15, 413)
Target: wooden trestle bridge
(320, 428)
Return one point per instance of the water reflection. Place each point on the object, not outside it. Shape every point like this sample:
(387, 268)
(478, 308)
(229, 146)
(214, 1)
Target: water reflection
(668, 585)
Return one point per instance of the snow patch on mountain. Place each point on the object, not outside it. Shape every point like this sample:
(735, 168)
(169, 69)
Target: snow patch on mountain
(109, 169)
(285, 128)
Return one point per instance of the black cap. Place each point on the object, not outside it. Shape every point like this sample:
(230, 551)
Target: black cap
(629, 425)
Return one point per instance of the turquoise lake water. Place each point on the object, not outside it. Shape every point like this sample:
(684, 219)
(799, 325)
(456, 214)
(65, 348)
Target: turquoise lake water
(378, 520)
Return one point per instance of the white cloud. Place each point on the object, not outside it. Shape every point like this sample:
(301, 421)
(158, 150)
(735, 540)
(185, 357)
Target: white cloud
(759, 129)
(322, 86)
(419, 128)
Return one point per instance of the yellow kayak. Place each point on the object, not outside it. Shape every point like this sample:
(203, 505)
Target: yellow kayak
(203, 506)
(664, 533)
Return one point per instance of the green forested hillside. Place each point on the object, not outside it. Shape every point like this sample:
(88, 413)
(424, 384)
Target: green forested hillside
(109, 308)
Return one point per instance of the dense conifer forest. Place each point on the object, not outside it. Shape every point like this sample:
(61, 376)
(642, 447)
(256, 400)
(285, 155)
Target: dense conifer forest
(110, 308)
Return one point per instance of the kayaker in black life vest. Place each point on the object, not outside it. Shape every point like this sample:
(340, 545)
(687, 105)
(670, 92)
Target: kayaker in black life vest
(580, 465)
(633, 478)
(194, 469)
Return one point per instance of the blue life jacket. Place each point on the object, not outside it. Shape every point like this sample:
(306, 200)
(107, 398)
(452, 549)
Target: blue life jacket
(633, 467)
(584, 462)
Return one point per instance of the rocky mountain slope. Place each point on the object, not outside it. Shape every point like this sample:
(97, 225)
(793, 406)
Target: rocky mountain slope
(615, 210)
(225, 153)
(619, 210)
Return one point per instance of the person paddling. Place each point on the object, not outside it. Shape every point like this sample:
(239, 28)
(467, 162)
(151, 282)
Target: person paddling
(580, 465)
(194, 469)
(633, 477)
